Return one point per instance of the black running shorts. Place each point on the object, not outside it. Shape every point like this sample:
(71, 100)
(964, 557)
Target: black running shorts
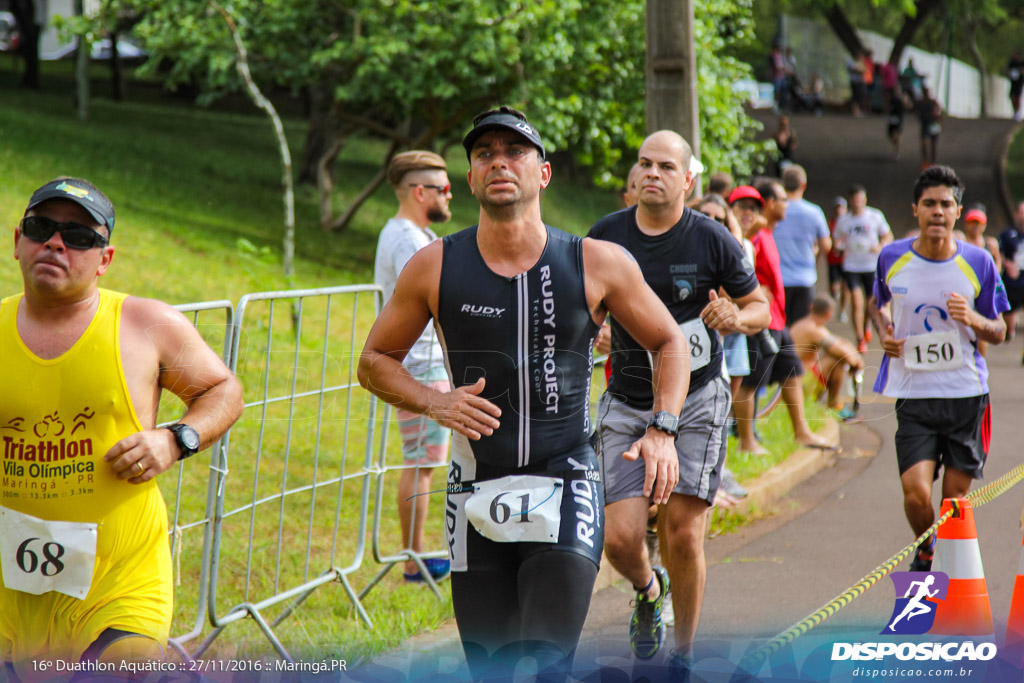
(953, 432)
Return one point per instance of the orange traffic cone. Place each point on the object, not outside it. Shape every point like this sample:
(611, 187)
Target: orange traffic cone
(966, 610)
(1013, 650)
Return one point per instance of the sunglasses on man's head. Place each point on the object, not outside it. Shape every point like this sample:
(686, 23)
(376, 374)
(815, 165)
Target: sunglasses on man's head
(74, 235)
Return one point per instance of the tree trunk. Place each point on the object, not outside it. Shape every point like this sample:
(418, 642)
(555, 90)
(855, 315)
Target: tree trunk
(910, 26)
(371, 187)
(24, 12)
(971, 31)
(399, 138)
(672, 70)
(256, 95)
(325, 179)
(844, 29)
(320, 137)
(82, 51)
(116, 73)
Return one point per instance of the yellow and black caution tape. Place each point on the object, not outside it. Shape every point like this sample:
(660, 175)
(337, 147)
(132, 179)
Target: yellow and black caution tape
(979, 497)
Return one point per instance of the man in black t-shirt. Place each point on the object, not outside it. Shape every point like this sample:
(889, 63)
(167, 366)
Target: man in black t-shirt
(686, 258)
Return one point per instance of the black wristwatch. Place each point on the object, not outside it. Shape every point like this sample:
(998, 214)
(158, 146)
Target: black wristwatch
(186, 438)
(665, 421)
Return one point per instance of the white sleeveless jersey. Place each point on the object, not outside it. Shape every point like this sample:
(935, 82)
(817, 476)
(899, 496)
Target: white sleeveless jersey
(940, 358)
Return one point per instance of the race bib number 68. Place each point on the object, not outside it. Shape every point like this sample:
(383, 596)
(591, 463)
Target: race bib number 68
(39, 555)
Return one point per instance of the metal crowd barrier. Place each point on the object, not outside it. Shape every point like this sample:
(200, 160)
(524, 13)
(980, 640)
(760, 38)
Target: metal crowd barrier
(393, 462)
(291, 507)
(191, 528)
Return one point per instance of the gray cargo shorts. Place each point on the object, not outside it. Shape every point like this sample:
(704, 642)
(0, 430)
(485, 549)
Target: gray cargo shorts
(700, 443)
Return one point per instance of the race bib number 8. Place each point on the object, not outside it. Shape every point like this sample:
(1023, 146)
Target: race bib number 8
(697, 337)
(38, 556)
(517, 508)
(932, 352)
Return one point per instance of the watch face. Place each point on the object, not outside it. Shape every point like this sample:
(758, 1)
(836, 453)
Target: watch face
(189, 437)
(664, 421)
(667, 421)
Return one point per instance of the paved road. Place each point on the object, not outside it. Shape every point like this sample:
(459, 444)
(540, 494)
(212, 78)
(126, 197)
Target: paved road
(840, 525)
(838, 150)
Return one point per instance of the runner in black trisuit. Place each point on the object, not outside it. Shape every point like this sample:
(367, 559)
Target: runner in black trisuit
(517, 320)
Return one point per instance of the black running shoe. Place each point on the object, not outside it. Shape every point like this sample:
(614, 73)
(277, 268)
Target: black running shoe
(646, 630)
(922, 561)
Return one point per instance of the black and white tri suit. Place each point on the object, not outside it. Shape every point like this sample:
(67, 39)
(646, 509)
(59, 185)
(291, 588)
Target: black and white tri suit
(531, 337)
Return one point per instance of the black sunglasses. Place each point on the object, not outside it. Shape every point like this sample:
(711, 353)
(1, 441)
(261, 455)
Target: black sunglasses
(443, 189)
(74, 235)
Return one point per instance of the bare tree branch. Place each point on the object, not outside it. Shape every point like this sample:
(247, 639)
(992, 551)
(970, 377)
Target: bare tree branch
(282, 142)
(371, 187)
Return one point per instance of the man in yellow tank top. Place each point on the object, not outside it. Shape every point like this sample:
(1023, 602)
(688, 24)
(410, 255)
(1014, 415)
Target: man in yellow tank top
(86, 568)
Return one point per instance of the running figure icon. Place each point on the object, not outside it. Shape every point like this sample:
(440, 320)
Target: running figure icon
(916, 606)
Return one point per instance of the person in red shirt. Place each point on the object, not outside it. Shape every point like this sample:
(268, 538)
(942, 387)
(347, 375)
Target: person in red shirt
(759, 210)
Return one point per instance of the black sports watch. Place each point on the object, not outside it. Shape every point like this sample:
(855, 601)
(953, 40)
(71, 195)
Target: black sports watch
(186, 438)
(665, 421)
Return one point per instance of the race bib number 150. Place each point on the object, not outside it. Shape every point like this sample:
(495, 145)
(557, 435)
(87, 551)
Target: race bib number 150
(38, 555)
(933, 351)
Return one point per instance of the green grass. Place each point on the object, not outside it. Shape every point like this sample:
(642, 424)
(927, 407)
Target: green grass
(777, 438)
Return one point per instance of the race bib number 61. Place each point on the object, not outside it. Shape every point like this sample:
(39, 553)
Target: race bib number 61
(38, 555)
(517, 508)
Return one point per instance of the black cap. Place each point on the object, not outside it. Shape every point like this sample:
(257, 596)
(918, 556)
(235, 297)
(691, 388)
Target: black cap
(84, 194)
(501, 119)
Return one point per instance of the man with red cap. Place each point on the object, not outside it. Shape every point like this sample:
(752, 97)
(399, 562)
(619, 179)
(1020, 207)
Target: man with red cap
(975, 222)
(759, 209)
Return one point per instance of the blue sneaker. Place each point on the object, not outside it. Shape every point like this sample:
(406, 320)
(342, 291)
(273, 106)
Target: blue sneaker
(646, 630)
(845, 414)
(439, 568)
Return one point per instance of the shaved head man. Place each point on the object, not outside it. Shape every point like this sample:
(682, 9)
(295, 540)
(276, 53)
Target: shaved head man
(686, 258)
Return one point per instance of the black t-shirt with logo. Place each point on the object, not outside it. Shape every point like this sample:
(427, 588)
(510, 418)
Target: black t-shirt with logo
(681, 265)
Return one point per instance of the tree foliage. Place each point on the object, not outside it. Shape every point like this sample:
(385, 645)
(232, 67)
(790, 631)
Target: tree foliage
(998, 21)
(414, 72)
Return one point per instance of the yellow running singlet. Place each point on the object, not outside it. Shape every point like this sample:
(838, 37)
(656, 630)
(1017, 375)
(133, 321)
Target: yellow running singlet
(58, 418)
